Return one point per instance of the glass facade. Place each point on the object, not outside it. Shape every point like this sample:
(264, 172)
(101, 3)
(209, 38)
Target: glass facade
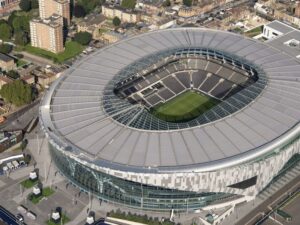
(132, 194)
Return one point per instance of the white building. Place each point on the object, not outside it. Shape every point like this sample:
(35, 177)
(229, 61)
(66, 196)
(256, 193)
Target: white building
(276, 29)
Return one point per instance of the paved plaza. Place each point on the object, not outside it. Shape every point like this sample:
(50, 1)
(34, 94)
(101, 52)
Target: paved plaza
(77, 204)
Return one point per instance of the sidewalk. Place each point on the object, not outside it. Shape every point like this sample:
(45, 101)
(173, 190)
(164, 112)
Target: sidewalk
(243, 210)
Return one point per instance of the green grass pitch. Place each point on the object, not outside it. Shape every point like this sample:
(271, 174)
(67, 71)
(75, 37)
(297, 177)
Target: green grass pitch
(184, 107)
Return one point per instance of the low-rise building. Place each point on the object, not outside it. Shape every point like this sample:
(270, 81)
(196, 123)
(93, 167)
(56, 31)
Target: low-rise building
(163, 24)
(7, 63)
(7, 6)
(47, 33)
(4, 80)
(29, 79)
(92, 23)
(46, 79)
(284, 16)
(261, 8)
(276, 29)
(150, 6)
(112, 36)
(9, 139)
(128, 16)
(186, 12)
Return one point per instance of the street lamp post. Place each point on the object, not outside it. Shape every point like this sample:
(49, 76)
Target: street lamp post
(21, 190)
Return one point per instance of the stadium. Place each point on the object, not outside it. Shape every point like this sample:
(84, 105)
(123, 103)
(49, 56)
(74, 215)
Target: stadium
(182, 119)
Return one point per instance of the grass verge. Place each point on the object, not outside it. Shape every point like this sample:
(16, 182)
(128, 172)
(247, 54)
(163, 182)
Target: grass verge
(29, 183)
(254, 32)
(21, 62)
(72, 49)
(65, 220)
(46, 192)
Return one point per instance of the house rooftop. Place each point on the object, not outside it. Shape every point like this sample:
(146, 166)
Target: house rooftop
(5, 58)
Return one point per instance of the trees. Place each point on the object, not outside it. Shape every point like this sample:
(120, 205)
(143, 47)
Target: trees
(11, 18)
(13, 74)
(116, 21)
(24, 144)
(25, 5)
(187, 3)
(21, 38)
(5, 31)
(89, 5)
(79, 11)
(5, 48)
(17, 92)
(34, 4)
(166, 3)
(21, 23)
(128, 4)
(83, 38)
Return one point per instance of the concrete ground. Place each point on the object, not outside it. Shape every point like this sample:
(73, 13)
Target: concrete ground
(74, 203)
(77, 204)
(249, 213)
(12, 194)
(293, 209)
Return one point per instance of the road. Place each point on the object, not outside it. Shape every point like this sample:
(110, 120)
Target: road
(229, 5)
(36, 59)
(294, 184)
(8, 217)
(7, 125)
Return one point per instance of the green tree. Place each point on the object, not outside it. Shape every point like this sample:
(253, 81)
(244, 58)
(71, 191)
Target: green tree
(24, 144)
(13, 74)
(17, 23)
(21, 23)
(17, 92)
(187, 3)
(21, 38)
(11, 17)
(166, 3)
(5, 48)
(83, 38)
(116, 21)
(2, 21)
(89, 5)
(5, 32)
(79, 11)
(25, 5)
(128, 4)
(34, 4)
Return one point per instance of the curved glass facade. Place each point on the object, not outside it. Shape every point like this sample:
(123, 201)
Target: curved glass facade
(132, 194)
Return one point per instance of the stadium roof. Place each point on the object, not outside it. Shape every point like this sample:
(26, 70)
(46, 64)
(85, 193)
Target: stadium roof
(72, 112)
(281, 43)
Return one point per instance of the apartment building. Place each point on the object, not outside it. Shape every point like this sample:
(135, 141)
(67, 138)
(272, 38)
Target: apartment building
(59, 7)
(128, 16)
(47, 33)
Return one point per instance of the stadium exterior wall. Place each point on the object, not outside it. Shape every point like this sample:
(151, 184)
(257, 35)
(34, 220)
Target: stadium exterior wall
(199, 188)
